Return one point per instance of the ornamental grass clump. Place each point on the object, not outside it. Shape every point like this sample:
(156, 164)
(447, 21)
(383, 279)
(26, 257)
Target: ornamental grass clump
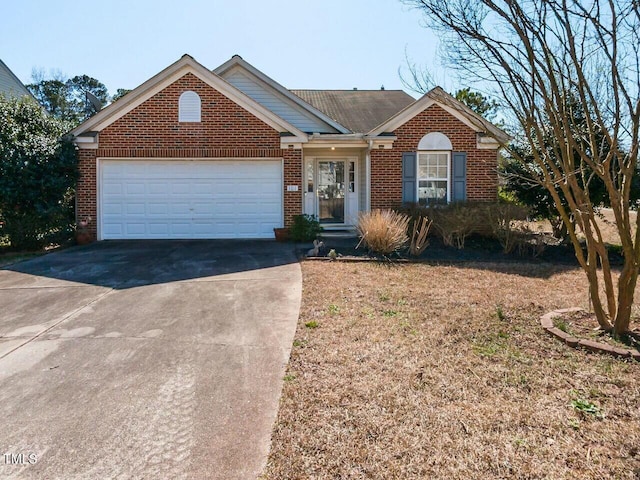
(383, 232)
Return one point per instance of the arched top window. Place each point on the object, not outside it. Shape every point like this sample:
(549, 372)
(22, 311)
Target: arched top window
(434, 168)
(435, 141)
(189, 107)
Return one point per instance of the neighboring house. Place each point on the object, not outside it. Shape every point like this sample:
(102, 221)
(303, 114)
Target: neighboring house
(193, 153)
(10, 85)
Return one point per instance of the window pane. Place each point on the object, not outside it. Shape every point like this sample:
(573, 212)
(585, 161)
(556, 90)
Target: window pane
(352, 177)
(430, 191)
(310, 177)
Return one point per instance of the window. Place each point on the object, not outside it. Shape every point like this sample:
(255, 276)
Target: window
(189, 107)
(352, 177)
(433, 177)
(310, 176)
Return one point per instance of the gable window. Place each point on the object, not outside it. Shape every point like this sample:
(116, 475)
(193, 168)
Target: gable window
(434, 164)
(433, 177)
(189, 107)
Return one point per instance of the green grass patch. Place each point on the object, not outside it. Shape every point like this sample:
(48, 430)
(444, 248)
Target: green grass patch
(587, 408)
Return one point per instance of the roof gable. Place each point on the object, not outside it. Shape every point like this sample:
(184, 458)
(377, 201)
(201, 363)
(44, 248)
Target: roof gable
(275, 97)
(358, 110)
(166, 77)
(438, 96)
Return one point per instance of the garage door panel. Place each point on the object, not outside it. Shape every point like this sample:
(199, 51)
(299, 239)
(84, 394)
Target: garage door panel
(132, 228)
(112, 188)
(112, 229)
(177, 228)
(137, 188)
(271, 210)
(179, 209)
(135, 208)
(180, 188)
(157, 187)
(202, 188)
(269, 190)
(111, 209)
(190, 199)
(158, 228)
(157, 209)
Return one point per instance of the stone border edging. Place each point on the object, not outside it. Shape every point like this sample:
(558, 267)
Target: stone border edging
(547, 323)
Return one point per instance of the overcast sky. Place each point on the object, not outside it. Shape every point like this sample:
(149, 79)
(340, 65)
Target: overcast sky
(325, 44)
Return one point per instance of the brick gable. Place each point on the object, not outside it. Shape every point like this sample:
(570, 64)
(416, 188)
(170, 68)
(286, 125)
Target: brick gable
(386, 165)
(154, 125)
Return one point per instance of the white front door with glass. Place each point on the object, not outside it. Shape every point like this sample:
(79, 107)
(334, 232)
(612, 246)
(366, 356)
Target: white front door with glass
(330, 193)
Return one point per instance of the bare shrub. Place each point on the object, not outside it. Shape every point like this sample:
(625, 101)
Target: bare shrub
(383, 231)
(419, 233)
(456, 221)
(530, 243)
(505, 220)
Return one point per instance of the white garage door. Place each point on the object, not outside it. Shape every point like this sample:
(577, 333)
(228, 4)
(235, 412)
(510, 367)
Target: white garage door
(190, 199)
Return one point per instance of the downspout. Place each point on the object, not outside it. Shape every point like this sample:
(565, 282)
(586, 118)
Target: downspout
(367, 169)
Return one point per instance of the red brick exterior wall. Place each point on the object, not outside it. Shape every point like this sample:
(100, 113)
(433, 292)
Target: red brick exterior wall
(86, 200)
(292, 176)
(386, 165)
(152, 130)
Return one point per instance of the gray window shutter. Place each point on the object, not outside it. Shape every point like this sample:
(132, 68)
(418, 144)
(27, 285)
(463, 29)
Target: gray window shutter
(459, 177)
(409, 174)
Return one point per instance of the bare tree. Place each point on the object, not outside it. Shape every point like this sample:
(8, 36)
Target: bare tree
(414, 78)
(538, 54)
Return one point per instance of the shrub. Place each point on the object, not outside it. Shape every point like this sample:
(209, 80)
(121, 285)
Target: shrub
(383, 231)
(503, 218)
(304, 228)
(456, 221)
(38, 172)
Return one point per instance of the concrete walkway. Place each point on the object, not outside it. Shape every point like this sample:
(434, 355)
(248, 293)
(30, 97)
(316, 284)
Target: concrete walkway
(150, 360)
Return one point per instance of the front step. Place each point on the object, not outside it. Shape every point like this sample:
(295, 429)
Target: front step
(338, 234)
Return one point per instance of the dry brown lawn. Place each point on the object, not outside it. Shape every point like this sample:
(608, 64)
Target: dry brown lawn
(420, 371)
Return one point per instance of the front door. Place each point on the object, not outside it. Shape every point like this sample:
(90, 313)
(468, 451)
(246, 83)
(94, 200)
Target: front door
(331, 191)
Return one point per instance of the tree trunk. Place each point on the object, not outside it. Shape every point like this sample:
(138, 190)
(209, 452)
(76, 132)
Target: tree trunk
(626, 289)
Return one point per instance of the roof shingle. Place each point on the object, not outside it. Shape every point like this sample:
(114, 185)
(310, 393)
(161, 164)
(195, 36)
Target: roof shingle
(358, 110)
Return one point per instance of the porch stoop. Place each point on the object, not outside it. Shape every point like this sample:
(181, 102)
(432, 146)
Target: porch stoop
(347, 233)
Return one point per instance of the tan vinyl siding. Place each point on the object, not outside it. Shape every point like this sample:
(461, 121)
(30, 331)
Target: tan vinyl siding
(9, 83)
(275, 102)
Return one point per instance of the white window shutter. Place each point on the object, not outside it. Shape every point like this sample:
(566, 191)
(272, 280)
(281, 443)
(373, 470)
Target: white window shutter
(189, 107)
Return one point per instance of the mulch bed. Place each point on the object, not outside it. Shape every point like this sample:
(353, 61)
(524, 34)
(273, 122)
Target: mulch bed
(477, 249)
(582, 324)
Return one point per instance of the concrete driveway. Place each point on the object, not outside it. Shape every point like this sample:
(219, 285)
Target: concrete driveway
(158, 359)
